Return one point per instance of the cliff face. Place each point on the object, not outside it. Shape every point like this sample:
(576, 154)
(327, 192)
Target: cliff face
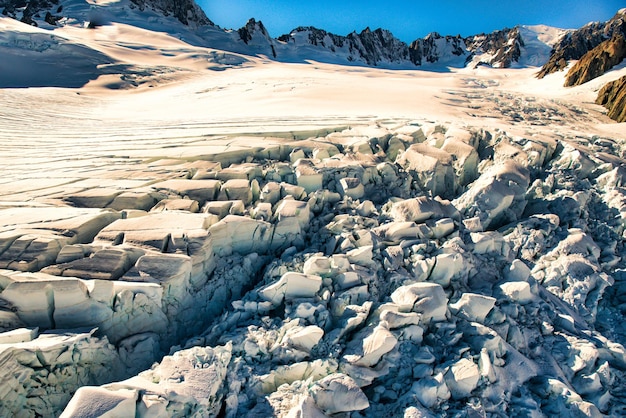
(186, 11)
(576, 44)
(435, 48)
(255, 35)
(501, 48)
(27, 11)
(597, 61)
(374, 47)
(51, 11)
(613, 97)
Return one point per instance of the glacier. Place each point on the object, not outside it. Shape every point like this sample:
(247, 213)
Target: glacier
(193, 229)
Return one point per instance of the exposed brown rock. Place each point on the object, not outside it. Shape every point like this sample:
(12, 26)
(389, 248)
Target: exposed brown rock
(575, 44)
(613, 97)
(597, 61)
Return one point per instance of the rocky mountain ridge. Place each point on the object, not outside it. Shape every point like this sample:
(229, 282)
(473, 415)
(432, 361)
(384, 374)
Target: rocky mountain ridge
(379, 47)
(575, 44)
(597, 61)
(598, 45)
(613, 97)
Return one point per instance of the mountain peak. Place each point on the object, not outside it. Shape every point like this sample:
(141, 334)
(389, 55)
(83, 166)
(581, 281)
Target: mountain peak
(186, 11)
(37, 12)
(577, 43)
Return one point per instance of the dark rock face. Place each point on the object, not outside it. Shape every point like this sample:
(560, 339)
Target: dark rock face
(378, 46)
(27, 11)
(317, 37)
(433, 47)
(252, 26)
(255, 29)
(371, 47)
(577, 43)
(503, 47)
(613, 97)
(186, 11)
(597, 61)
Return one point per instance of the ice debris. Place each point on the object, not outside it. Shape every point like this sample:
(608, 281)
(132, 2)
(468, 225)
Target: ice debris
(414, 270)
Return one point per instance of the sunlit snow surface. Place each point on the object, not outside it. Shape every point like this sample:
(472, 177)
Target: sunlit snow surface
(149, 183)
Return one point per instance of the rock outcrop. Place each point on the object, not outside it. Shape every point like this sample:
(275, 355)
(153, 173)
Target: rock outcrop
(27, 11)
(613, 96)
(577, 43)
(597, 61)
(380, 47)
(186, 11)
(255, 35)
(51, 11)
(499, 49)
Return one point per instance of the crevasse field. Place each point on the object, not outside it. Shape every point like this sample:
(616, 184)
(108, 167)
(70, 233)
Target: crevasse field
(187, 231)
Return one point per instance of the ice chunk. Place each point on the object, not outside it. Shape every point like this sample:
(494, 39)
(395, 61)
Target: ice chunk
(304, 339)
(105, 264)
(462, 378)
(306, 408)
(465, 161)
(200, 190)
(352, 187)
(236, 189)
(20, 335)
(394, 232)
(473, 307)
(135, 200)
(242, 235)
(517, 292)
(447, 266)
(362, 256)
(369, 351)
(490, 242)
(443, 227)
(177, 204)
(289, 208)
(498, 196)
(517, 271)
(347, 280)
(428, 299)
(163, 231)
(431, 168)
(296, 154)
(33, 300)
(422, 208)
(308, 176)
(91, 401)
(399, 319)
(431, 390)
(97, 197)
(338, 393)
(245, 171)
(224, 207)
(291, 286)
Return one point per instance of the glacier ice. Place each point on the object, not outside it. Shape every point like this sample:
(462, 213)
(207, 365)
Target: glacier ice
(404, 273)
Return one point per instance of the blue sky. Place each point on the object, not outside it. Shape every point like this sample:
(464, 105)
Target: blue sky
(408, 20)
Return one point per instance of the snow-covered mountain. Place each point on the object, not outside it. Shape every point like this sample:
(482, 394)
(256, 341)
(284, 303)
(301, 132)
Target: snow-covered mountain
(504, 48)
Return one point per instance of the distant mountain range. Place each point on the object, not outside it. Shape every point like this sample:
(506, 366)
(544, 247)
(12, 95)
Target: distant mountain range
(598, 46)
